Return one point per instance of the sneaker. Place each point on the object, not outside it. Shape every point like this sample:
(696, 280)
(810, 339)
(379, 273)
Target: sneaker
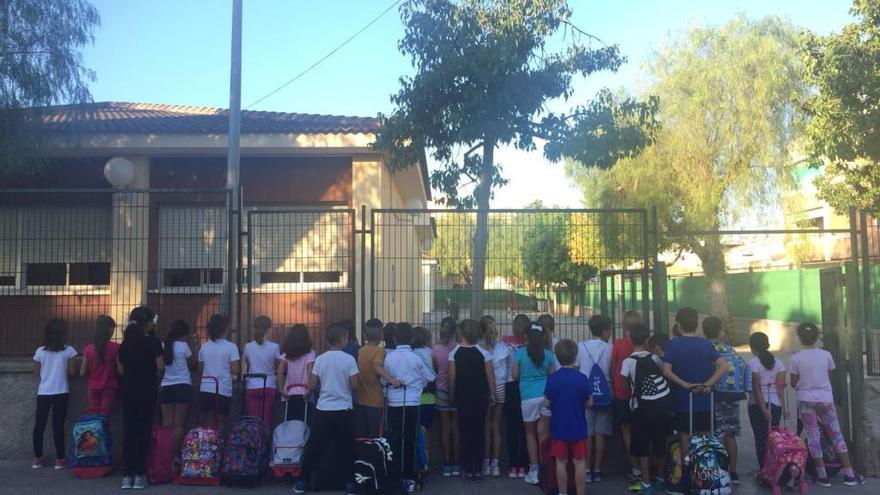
(126, 482)
(589, 476)
(37, 463)
(597, 476)
(633, 477)
(350, 488)
(522, 472)
(456, 470)
(447, 470)
(140, 482)
(639, 487)
(487, 468)
(513, 473)
(299, 487)
(823, 482)
(478, 477)
(496, 470)
(532, 477)
(856, 480)
(60, 463)
(409, 486)
(734, 478)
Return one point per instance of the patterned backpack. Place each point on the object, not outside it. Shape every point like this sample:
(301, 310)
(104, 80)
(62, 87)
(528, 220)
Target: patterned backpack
(92, 444)
(707, 464)
(650, 388)
(737, 382)
(785, 461)
(246, 456)
(199, 460)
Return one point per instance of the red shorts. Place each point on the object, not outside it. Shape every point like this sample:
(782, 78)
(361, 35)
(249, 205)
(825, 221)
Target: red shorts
(578, 449)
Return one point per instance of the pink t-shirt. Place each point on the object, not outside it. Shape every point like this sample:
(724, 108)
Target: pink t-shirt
(297, 373)
(812, 367)
(102, 374)
(440, 356)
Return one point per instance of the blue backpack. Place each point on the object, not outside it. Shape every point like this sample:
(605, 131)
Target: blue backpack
(601, 390)
(737, 382)
(92, 444)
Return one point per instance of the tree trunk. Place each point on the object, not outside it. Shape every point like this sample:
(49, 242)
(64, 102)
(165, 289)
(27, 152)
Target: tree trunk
(572, 294)
(481, 232)
(712, 256)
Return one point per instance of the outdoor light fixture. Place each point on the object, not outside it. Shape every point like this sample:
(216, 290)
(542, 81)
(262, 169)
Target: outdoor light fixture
(119, 172)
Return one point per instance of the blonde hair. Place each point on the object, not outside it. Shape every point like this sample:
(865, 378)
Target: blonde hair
(490, 331)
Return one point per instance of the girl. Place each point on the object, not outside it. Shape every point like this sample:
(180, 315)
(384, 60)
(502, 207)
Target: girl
(531, 366)
(139, 363)
(262, 357)
(177, 390)
(472, 387)
(501, 357)
(297, 359)
(100, 366)
(517, 455)
(421, 345)
(809, 377)
(443, 403)
(768, 379)
(219, 359)
(388, 336)
(352, 347)
(53, 361)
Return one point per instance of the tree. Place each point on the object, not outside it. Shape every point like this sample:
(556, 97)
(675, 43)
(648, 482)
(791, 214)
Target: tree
(844, 125)
(484, 74)
(40, 65)
(547, 256)
(729, 119)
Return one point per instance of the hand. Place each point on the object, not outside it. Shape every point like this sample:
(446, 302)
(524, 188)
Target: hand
(767, 415)
(491, 399)
(787, 414)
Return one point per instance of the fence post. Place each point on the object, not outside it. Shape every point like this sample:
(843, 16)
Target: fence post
(857, 325)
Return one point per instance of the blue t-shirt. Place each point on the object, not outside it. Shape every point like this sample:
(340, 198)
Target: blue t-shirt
(693, 360)
(568, 390)
(533, 378)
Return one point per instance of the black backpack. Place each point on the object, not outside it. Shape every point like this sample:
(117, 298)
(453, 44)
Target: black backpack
(650, 388)
(372, 466)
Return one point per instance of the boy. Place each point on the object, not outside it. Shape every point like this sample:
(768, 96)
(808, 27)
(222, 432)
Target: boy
(650, 408)
(620, 411)
(370, 399)
(567, 393)
(692, 364)
(331, 440)
(404, 401)
(726, 414)
(597, 350)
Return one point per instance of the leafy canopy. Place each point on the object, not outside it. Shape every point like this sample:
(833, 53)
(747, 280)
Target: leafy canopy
(844, 124)
(547, 257)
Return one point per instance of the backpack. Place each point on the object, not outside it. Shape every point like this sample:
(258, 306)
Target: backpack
(160, 457)
(198, 462)
(737, 381)
(246, 455)
(650, 388)
(676, 481)
(785, 461)
(601, 390)
(92, 442)
(289, 442)
(372, 465)
(706, 464)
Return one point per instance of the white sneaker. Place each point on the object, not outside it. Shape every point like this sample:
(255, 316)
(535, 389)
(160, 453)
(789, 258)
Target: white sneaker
(487, 467)
(532, 477)
(127, 482)
(589, 476)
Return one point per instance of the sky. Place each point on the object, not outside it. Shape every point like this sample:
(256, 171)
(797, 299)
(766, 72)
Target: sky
(177, 52)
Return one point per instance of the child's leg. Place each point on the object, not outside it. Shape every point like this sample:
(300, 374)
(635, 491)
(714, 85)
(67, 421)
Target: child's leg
(59, 413)
(269, 402)
(532, 441)
(321, 431)
(179, 421)
(44, 402)
(168, 416)
(93, 398)
(732, 450)
(252, 399)
(410, 434)
(497, 411)
(543, 429)
(580, 473)
(562, 474)
(445, 436)
(487, 436)
(811, 429)
(759, 429)
(108, 401)
(456, 437)
(827, 416)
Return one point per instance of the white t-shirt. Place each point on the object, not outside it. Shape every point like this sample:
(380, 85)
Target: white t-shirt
(502, 355)
(598, 349)
(177, 373)
(768, 380)
(334, 369)
(628, 371)
(217, 356)
(812, 367)
(53, 370)
(261, 359)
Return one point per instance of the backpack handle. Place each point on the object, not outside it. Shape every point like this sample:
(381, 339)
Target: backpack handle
(711, 410)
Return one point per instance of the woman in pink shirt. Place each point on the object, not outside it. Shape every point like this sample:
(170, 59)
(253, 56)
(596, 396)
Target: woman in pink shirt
(297, 359)
(99, 366)
(445, 408)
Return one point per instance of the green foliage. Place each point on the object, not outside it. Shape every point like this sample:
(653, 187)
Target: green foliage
(546, 255)
(40, 65)
(453, 246)
(844, 125)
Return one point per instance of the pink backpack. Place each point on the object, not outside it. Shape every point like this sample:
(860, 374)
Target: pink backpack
(785, 461)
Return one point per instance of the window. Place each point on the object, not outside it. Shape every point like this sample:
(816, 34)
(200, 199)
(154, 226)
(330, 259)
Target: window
(7, 280)
(322, 277)
(61, 274)
(191, 277)
(46, 274)
(89, 274)
(279, 277)
(193, 243)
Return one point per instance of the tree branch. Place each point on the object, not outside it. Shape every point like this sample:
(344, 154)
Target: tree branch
(582, 32)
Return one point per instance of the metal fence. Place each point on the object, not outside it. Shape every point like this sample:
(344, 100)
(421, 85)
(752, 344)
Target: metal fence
(78, 254)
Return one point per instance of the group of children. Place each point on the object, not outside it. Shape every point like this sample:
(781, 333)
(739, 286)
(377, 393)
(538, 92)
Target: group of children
(465, 385)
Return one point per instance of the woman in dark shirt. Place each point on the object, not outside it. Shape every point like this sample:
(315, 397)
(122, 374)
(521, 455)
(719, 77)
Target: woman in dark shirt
(140, 363)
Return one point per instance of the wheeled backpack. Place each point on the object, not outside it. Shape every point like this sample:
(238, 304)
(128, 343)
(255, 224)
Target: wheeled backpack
(92, 446)
(198, 462)
(372, 465)
(289, 443)
(246, 452)
(706, 462)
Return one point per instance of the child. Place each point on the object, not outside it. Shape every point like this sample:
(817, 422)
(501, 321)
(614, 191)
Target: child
(517, 455)
(421, 344)
(768, 386)
(218, 358)
(726, 414)
(532, 365)
(620, 410)
(352, 347)
(692, 365)
(294, 370)
(403, 401)
(809, 377)
(567, 394)
(331, 439)
(657, 344)
(642, 370)
(262, 358)
(596, 350)
(99, 364)
(443, 402)
(139, 363)
(53, 361)
(501, 358)
(177, 391)
(549, 325)
(388, 336)
(472, 387)
(370, 400)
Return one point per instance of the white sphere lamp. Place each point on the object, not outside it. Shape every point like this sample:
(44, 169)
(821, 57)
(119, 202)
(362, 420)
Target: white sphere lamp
(119, 172)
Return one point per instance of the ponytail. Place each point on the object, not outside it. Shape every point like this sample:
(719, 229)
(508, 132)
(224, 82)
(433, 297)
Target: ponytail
(535, 344)
(760, 345)
(179, 329)
(104, 327)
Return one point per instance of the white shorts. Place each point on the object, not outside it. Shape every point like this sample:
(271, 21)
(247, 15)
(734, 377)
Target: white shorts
(533, 409)
(500, 393)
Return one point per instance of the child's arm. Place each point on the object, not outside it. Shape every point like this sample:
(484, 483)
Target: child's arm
(514, 371)
(383, 373)
(671, 376)
(795, 378)
(451, 380)
(355, 383)
(280, 371)
(314, 381)
(759, 396)
(160, 366)
(490, 376)
(780, 389)
(193, 360)
(720, 370)
(234, 367)
(72, 366)
(84, 367)
(120, 369)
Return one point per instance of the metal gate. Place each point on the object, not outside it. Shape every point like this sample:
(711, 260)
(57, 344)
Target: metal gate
(622, 291)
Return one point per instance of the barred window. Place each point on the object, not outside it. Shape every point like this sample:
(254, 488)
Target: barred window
(192, 246)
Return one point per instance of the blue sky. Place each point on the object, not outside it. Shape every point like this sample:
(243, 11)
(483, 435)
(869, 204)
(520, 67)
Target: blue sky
(172, 51)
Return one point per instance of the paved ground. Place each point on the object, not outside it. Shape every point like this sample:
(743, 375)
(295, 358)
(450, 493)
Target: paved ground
(17, 478)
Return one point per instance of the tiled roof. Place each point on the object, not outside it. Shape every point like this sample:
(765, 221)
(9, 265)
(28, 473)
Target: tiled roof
(150, 118)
